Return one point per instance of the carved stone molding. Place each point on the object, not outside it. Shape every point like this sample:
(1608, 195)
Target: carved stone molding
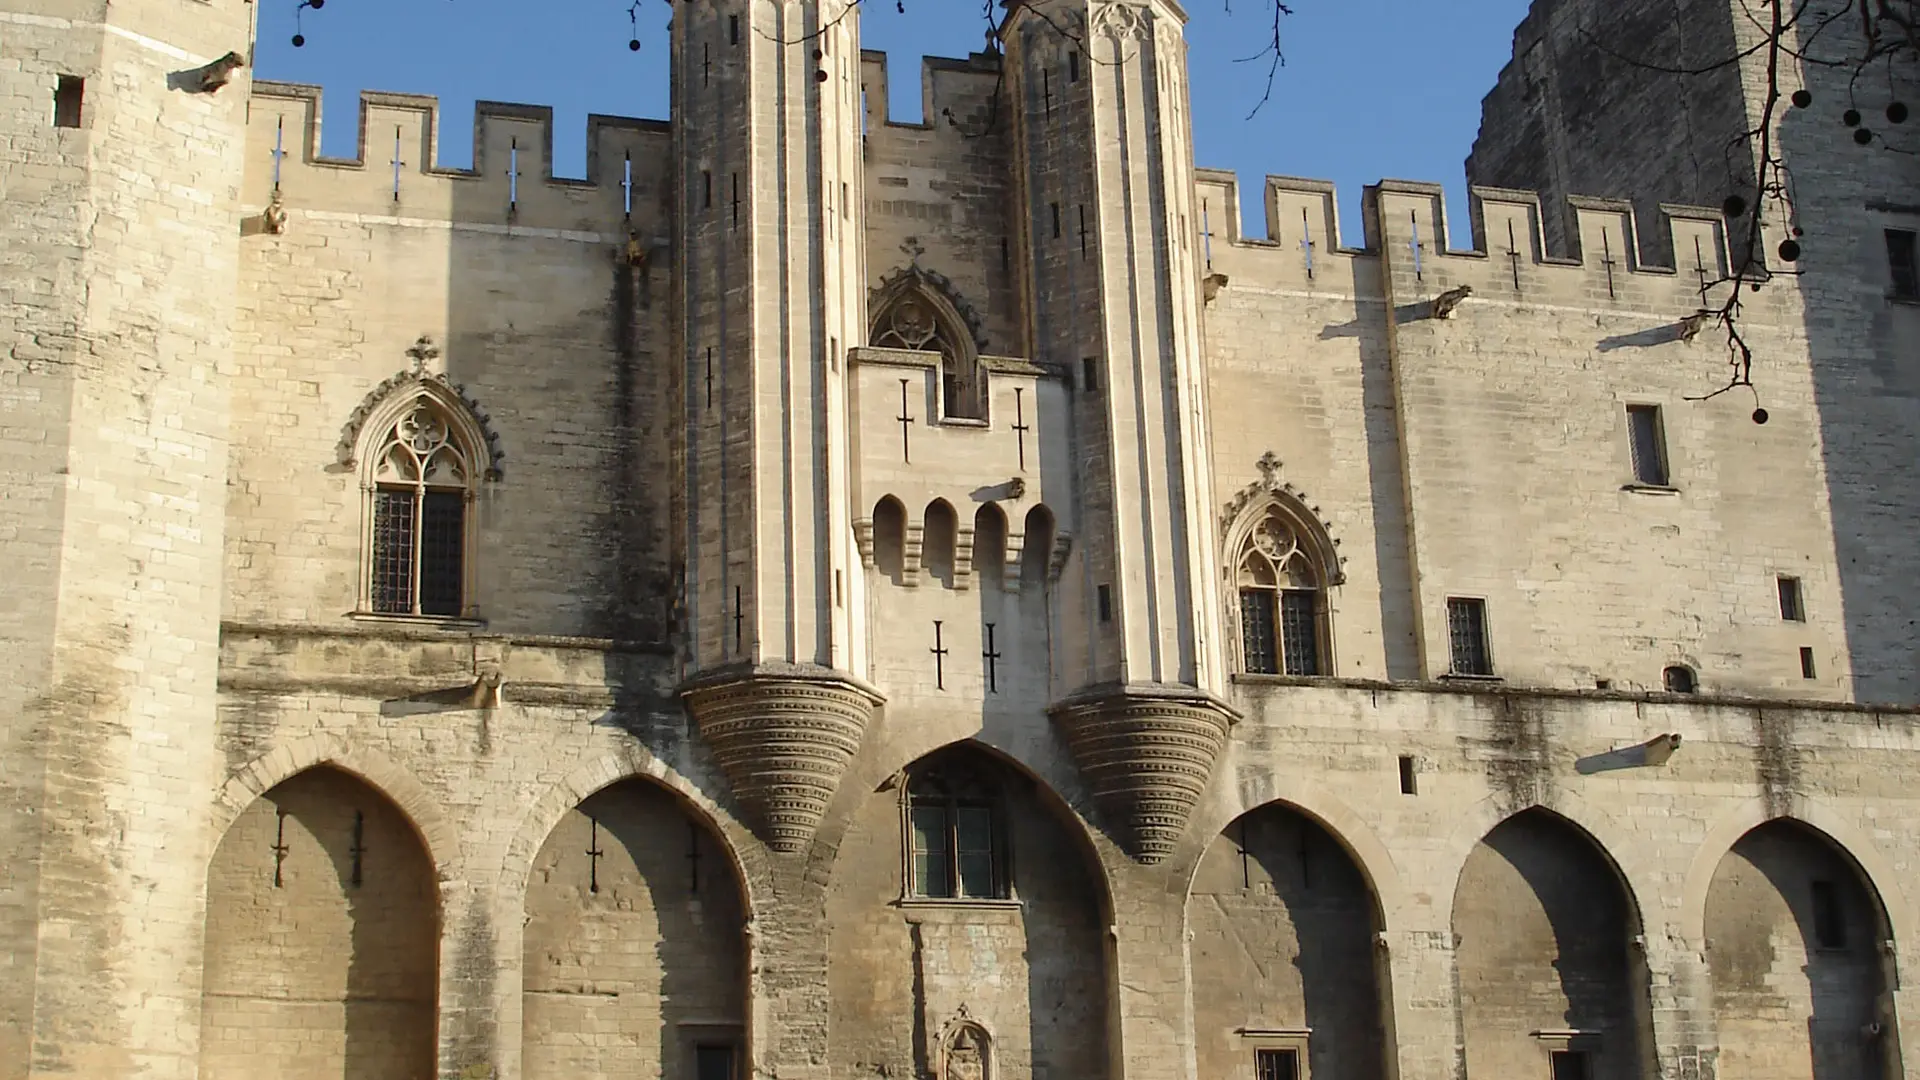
(1243, 509)
(936, 286)
(1123, 21)
(402, 383)
(1147, 753)
(784, 736)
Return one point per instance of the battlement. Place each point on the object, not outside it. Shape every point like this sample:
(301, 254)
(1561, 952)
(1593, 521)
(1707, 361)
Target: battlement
(396, 166)
(945, 83)
(1506, 238)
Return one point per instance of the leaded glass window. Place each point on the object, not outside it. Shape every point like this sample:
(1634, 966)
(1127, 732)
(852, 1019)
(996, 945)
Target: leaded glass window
(909, 321)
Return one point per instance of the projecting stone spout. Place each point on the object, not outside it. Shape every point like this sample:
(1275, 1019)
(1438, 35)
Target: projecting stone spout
(1147, 754)
(784, 736)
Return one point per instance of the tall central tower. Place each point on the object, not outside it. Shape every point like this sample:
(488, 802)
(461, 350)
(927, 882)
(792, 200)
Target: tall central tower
(1106, 162)
(767, 116)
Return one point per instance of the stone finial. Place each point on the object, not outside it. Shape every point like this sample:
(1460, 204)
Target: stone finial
(784, 737)
(1147, 754)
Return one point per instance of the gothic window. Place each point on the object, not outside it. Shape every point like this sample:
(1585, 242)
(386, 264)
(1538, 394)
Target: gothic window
(421, 480)
(1282, 603)
(956, 845)
(911, 321)
(1036, 556)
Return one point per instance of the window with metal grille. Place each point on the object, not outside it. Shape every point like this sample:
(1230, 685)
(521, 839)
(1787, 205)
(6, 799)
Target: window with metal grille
(1299, 631)
(1571, 1065)
(1259, 647)
(1282, 611)
(1903, 267)
(422, 477)
(1790, 608)
(955, 848)
(1276, 1065)
(1649, 445)
(1467, 636)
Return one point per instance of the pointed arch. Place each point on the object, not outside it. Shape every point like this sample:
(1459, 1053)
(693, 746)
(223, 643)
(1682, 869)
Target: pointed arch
(990, 545)
(1281, 561)
(422, 453)
(942, 533)
(918, 310)
(1036, 557)
(890, 539)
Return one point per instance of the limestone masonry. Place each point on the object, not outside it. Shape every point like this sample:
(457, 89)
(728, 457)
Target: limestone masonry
(824, 598)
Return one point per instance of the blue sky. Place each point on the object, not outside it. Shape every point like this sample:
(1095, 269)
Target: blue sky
(1371, 88)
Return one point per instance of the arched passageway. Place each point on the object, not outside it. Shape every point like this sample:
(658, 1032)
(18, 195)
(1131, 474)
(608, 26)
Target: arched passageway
(1283, 957)
(1793, 944)
(634, 944)
(323, 938)
(1550, 981)
(965, 913)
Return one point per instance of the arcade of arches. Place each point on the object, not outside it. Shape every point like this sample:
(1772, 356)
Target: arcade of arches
(977, 904)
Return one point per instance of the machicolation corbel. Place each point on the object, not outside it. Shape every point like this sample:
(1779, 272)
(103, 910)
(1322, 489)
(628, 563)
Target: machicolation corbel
(208, 77)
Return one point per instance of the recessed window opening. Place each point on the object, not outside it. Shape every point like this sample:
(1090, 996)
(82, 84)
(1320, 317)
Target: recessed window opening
(1409, 781)
(1649, 445)
(1073, 66)
(1806, 663)
(956, 844)
(422, 477)
(1055, 207)
(1281, 601)
(706, 189)
(1790, 609)
(1467, 636)
(713, 1062)
(1903, 264)
(1571, 1065)
(1829, 925)
(68, 95)
(1678, 679)
(1276, 1065)
(1090, 373)
(733, 29)
(1106, 603)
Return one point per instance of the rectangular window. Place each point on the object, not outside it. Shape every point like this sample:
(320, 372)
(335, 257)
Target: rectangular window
(1903, 267)
(1570, 1065)
(1258, 643)
(1299, 631)
(1790, 608)
(1055, 207)
(1276, 1065)
(1649, 445)
(442, 538)
(1806, 663)
(1090, 373)
(713, 1062)
(1829, 928)
(393, 552)
(930, 853)
(1409, 783)
(1073, 67)
(68, 95)
(706, 189)
(973, 844)
(733, 29)
(1106, 603)
(1467, 636)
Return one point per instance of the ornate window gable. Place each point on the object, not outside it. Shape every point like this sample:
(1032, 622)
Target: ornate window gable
(918, 310)
(422, 452)
(1280, 561)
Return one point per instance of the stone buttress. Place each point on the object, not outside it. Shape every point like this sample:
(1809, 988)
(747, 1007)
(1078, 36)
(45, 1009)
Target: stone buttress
(767, 124)
(1104, 155)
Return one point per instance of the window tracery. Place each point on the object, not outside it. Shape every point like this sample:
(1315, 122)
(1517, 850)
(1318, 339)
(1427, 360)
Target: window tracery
(1282, 599)
(911, 320)
(420, 481)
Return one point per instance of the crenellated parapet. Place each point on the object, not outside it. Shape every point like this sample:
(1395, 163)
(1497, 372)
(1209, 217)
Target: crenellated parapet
(1506, 255)
(395, 169)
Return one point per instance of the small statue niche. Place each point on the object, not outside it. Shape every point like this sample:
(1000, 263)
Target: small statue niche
(965, 1056)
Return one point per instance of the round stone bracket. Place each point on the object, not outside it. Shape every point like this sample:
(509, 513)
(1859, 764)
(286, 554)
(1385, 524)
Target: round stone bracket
(1147, 754)
(784, 736)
